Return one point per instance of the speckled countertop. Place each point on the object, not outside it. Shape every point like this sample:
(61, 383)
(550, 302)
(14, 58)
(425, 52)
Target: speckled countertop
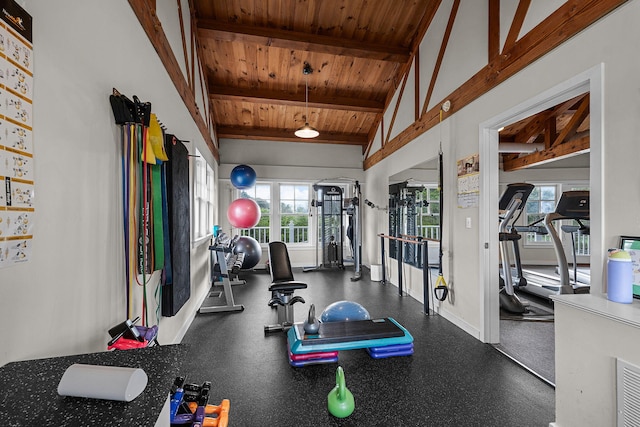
(29, 396)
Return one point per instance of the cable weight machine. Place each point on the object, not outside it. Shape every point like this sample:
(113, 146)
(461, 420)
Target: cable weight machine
(331, 208)
(403, 220)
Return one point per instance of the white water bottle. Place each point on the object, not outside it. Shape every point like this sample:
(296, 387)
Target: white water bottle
(619, 277)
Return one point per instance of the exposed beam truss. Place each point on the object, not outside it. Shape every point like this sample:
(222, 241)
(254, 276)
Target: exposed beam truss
(560, 145)
(568, 20)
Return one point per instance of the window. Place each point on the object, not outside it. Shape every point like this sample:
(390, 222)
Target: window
(294, 213)
(541, 201)
(581, 239)
(429, 212)
(261, 193)
(204, 195)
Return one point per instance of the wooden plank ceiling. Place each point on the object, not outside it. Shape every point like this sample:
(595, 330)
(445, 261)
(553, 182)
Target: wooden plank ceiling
(253, 53)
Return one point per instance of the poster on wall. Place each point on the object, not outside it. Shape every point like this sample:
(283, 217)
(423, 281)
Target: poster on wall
(468, 181)
(16, 141)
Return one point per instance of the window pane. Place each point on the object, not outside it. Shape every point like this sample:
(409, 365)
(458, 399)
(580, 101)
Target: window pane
(302, 192)
(203, 197)
(286, 207)
(261, 193)
(294, 210)
(548, 193)
(547, 207)
(532, 207)
(302, 207)
(286, 192)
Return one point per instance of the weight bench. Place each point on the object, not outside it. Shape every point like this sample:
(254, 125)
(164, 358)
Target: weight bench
(282, 287)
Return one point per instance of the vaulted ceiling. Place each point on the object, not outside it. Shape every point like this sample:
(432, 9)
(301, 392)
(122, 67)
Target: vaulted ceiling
(254, 51)
(252, 54)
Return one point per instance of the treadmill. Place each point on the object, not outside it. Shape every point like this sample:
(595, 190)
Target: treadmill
(572, 205)
(511, 204)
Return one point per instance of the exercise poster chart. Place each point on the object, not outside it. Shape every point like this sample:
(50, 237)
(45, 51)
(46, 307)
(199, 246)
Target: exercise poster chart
(469, 181)
(16, 134)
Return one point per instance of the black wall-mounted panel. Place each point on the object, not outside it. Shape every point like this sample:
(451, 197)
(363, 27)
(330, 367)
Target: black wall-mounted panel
(177, 289)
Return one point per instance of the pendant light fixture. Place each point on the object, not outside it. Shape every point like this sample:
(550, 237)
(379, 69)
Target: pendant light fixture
(306, 131)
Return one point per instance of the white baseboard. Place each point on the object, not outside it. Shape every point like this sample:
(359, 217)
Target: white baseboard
(189, 319)
(459, 322)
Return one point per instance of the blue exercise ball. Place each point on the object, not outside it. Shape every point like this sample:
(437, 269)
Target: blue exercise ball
(243, 176)
(251, 249)
(344, 311)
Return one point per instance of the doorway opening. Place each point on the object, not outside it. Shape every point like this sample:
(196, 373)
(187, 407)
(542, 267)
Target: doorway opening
(589, 82)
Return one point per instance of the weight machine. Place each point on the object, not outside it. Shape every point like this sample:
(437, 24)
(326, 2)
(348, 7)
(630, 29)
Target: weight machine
(332, 207)
(403, 221)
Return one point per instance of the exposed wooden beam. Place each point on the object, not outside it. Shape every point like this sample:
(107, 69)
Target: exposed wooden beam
(146, 14)
(197, 52)
(282, 98)
(576, 120)
(550, 132)
(184, 46)
(416, 88)
(568, 20)
(494, 29)
(540, 122)
(367, 149)
(234, 132)
(557, 152)
(225, 31)
(395, 110)
(443, 48)
(516, 24)
(425, 22)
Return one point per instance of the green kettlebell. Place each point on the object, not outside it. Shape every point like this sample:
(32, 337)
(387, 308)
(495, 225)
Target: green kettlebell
(340, 400)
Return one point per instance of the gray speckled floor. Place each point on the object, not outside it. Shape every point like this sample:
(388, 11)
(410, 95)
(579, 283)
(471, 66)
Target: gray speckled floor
(451, 380)
(29, 397)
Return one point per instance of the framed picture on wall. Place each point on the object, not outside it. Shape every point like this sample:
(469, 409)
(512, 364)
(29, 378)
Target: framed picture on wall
(631, 244)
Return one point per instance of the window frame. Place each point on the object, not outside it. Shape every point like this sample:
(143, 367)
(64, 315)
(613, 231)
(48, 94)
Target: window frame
(203, 201)
(546, 242)
(427, 211)
(245, 232)
(311, 221)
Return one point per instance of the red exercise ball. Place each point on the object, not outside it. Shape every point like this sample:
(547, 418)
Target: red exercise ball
(243, 213)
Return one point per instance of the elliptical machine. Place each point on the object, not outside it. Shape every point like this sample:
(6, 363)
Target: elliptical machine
(511, 203)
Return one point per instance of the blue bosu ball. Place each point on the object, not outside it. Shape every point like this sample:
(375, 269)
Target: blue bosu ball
(343, 311)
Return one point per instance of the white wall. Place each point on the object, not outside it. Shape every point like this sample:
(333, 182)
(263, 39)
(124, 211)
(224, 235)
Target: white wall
(71, 292)
(590, 336)
(609, 41)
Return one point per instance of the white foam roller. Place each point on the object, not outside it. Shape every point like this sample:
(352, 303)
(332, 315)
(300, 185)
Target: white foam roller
(103, 382)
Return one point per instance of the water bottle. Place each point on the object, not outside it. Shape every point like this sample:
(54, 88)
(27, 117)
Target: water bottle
(619, 277)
